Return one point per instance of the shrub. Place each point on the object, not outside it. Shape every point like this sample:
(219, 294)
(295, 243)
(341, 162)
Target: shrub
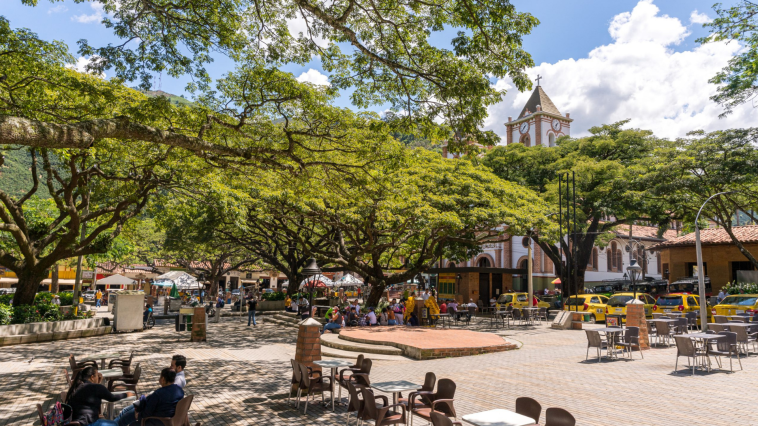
(24, 313)
(43, 298)
(49, 312)
(277, 295)
(5, 299)
(5, 314)
(741, 288)
(67, 299)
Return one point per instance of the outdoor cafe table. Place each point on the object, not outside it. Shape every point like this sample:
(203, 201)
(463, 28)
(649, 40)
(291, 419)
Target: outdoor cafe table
(333, 365)
(444, 318)
(498, 417)
(395, 387)
(102, 357)
(611, 333)
(111, 405)
(705, 337)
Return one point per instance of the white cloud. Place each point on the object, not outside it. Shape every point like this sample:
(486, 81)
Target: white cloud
(81, 65)
(299, 26)
(315, 77)
(57, 9)
(638, 76)
(97, 16)
(699, 18)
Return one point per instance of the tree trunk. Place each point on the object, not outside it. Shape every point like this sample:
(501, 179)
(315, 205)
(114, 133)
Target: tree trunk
(377, 291)
(54, 288)
(294, 284)
(28, 284)
(214, 287)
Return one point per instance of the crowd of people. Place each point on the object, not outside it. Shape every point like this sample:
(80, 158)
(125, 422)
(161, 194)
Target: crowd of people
(87, 393)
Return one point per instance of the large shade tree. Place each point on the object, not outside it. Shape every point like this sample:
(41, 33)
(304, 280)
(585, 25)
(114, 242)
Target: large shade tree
(611, 188)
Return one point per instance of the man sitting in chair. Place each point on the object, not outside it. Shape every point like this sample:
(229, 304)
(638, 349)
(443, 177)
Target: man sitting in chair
(161, 403)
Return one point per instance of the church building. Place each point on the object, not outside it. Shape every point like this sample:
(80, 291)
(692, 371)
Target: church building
(541, 123)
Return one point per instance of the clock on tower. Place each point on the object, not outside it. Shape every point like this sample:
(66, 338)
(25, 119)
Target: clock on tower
(540, 122)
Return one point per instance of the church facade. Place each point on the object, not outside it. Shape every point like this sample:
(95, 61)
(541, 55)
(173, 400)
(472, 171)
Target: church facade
(541, 123)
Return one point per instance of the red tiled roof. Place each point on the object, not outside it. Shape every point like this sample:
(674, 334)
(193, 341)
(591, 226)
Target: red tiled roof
(644, 232)
(713, 236)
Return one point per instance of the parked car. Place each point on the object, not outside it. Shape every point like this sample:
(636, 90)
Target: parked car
(89, 294)
(594, 304)
(617, 303)
(737, 304)
(7, 290)
(677, 302)
(518, 300)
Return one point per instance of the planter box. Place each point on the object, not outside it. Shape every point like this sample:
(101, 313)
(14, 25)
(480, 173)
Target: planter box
(267, 305)
(50, 327)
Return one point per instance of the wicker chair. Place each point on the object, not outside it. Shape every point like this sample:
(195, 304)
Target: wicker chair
(727, 347)
(685, 347)
(430, 379)
(631, 339)
(595, 341)
(311, 385)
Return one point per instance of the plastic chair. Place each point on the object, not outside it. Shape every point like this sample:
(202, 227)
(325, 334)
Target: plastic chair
(124, 364)
(430, 379)
(381, 415)
(295, 380)
(721, 319)
(355, 403)
(360, 376)
(311, 385)
(559, 417)
(663, 331)
(595, 341)
(439, 419)
(180, 415)
(542, 315)
(529, 407)
(744, 338)
(127, 381)
(442, 402)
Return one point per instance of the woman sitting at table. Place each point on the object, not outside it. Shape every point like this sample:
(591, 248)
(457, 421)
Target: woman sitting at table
(86, 395)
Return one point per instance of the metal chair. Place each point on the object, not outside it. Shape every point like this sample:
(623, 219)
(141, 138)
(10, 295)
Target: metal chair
(595, 341)
(685, 347)
(529, 407)
(559, 417)
(691, 320)
(721, 319)
(542, 314)
(717, 327)
(727, 347)
(516, 315)
(663, 331)
(744, 338)
(657, 315)
(630, 339)
(681, 325)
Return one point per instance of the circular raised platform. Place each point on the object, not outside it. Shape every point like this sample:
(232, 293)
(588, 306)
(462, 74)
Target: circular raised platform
(429, 343)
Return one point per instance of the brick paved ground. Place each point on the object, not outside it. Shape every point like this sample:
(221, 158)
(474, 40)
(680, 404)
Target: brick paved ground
(240, 375)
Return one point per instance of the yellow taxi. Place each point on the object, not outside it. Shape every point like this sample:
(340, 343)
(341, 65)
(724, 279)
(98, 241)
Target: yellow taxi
(518, 300)
(737, 304)
(616, 305)
(677, 302)
(593, 304)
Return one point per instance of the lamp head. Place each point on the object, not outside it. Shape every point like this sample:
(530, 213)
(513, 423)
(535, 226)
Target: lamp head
(311, 269)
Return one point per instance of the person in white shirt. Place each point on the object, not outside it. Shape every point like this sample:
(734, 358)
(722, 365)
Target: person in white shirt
(493, 302)
(371, 317)
(425, 296)
(721, 295)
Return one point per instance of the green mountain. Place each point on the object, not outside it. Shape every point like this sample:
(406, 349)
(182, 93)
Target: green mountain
(15, 173)
(176, 100)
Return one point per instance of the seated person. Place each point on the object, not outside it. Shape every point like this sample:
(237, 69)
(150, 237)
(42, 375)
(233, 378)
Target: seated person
(352, 318)
(372, 317)
(86, 395)
(443, 307)
(384, 317)
(161, 403)
(288, 304)
(178, 362)
(391, 317)
(336, 322)
(146, 314)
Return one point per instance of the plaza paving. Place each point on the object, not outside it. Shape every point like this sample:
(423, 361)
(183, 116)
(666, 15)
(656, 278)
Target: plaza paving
(240, 377)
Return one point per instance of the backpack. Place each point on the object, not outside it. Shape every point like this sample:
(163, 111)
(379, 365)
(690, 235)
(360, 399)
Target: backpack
(55, 416)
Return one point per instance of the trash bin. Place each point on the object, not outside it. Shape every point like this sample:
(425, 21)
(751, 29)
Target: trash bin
(586, 317)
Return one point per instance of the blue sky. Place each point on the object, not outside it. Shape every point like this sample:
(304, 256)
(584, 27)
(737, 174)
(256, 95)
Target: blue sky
(576, 42)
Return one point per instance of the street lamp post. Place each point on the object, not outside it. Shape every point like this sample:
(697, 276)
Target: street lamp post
(311, 271)
(700, 270)
(634, 269)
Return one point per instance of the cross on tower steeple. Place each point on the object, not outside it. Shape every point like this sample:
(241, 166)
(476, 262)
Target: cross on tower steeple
(539, 77)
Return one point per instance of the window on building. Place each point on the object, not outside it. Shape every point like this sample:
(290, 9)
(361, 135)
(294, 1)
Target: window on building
(658, 262)
(525, 140)
(523, 264)
(484, 263)
(525, 242)
(551, 139)
(592, 265)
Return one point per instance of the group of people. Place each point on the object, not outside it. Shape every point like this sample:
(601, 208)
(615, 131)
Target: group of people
(87, 393)
(351, 316)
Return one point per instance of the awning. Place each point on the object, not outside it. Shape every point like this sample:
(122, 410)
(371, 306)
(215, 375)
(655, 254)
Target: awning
(116, 280)
(318, 281)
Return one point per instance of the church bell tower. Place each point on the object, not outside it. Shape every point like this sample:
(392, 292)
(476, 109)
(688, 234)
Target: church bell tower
(540, 122)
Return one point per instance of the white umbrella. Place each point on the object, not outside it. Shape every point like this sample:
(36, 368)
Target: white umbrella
(319, 280)
(183, 280)
(116, 280)
(348, 280)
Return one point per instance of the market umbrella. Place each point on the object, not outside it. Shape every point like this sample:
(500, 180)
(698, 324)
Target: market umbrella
(174, 292)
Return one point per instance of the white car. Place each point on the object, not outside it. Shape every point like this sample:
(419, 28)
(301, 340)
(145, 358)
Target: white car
(89, 295)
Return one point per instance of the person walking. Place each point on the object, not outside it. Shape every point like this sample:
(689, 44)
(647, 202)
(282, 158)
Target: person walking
(252, 305)
(98, 296)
